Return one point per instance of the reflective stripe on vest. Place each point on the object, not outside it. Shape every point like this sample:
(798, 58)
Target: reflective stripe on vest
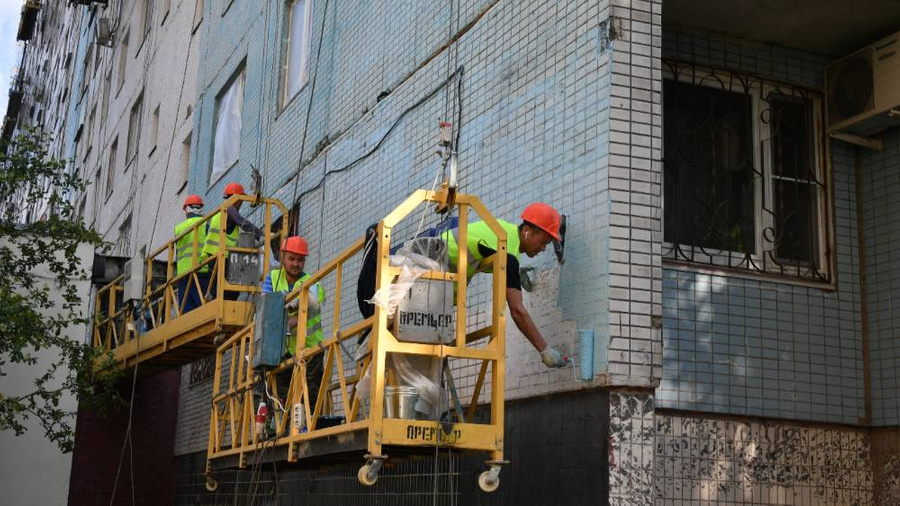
(313, 313)
(211, 244)
(479, 233)
(184, 247)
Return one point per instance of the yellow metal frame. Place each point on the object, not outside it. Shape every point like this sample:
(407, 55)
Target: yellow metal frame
(231, 423)
(171, 327)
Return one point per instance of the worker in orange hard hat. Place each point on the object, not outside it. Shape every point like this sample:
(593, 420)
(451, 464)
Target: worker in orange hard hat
(190, 237)
(541, 224)
(285, 279)
(539, 227)
(234, 224)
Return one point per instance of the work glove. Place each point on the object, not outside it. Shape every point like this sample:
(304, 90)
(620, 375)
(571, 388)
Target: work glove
(553, 358)
(294, 304)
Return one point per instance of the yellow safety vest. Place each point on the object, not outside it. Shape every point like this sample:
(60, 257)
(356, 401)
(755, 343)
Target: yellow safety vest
(184, 247)
(313, 314)
(211, 245)
(479, 233)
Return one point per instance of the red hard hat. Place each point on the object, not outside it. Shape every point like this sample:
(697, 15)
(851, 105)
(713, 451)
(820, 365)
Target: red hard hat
(234, 189)
(296, 245)
(543, 217)
(192, 200)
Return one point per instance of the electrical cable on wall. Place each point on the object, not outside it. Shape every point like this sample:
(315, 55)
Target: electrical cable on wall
(456, 74)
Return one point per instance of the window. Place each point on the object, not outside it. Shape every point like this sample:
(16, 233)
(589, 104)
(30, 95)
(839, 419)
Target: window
(166, 5)
(198, 13)
(134, 129)
(96, 191)
(90, 126)
(107, 87)
(111, 170)
(186, 159)
(227, 142)
(85, 78)
(154, 133)
(147, 16)
(123, 62)
(297, 31)
(744, 181)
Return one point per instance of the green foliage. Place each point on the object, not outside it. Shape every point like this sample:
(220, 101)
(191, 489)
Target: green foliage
(36, 311)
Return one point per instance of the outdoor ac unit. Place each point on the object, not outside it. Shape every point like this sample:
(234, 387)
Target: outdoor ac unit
(133, 283)
(864, 89)
(104, 34)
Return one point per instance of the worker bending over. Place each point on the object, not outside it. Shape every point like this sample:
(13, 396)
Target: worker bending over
(234, 224)
(187, 256)
(285, 279)
(540, 225)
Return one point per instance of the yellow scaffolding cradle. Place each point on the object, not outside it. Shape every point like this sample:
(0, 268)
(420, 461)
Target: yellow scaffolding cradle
(367, 433)
(158, 333)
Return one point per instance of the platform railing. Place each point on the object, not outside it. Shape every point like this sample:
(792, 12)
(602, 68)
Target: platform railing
(162, 321)
(230, 400)
(113, 324)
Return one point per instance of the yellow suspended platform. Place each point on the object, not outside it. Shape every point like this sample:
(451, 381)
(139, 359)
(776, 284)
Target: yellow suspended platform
(366, 434)
(157, 332)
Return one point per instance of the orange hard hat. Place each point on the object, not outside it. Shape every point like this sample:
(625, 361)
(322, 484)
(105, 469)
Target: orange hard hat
(192, 200)
(543, 217)
(296, 245)
(234, 189)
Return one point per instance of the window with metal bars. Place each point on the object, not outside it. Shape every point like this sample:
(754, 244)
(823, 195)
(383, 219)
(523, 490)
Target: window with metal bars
(745, 182)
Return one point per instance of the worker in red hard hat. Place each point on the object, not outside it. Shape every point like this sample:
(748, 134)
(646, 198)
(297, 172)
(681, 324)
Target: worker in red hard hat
(234, 224)
(285, 279)
(539, 227)
(190, 236)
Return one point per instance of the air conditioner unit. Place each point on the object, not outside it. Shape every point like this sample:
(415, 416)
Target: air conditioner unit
(104, 33)
(863, 89)
(133, 283)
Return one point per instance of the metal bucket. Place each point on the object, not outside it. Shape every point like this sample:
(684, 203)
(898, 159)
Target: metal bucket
(400, 402)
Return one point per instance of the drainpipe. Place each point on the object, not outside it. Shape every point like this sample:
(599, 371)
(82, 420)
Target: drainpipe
(863, 284)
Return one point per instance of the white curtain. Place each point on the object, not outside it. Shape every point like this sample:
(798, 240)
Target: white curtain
(228, 128)
(298, 47)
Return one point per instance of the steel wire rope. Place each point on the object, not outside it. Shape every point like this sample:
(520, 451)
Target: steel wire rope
(129, 440)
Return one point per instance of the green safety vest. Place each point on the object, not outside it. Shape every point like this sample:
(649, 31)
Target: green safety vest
(313, 314)
(211, 245)
(184, 247)
(479, 233)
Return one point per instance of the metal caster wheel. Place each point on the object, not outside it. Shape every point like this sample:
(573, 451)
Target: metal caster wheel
(366, 476)
(211, 484)
(487, 482)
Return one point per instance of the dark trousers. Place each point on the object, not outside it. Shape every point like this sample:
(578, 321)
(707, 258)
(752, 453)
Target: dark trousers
(315, 369)
(229, 295)
(189, 297)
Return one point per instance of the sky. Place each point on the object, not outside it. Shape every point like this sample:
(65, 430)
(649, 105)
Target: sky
(10, 11)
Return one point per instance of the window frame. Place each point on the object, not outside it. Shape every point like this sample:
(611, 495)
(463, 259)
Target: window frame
(111, 170)
(286, 99)
(764, 260)
(123, 64)
(238, 75)
(133, 141)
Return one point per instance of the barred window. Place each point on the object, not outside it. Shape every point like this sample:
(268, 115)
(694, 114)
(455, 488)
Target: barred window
(744, 175)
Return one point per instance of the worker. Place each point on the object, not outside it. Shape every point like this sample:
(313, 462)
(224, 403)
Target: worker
(540, 225)
(235, 223)
(187, 257)
(285, 279)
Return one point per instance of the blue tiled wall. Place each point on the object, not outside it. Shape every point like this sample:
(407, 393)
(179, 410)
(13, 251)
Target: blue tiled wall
(764, 348)
(881, 187)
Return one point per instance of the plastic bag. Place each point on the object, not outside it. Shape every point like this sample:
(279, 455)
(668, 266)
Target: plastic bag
(424, 373)
(413, 260)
